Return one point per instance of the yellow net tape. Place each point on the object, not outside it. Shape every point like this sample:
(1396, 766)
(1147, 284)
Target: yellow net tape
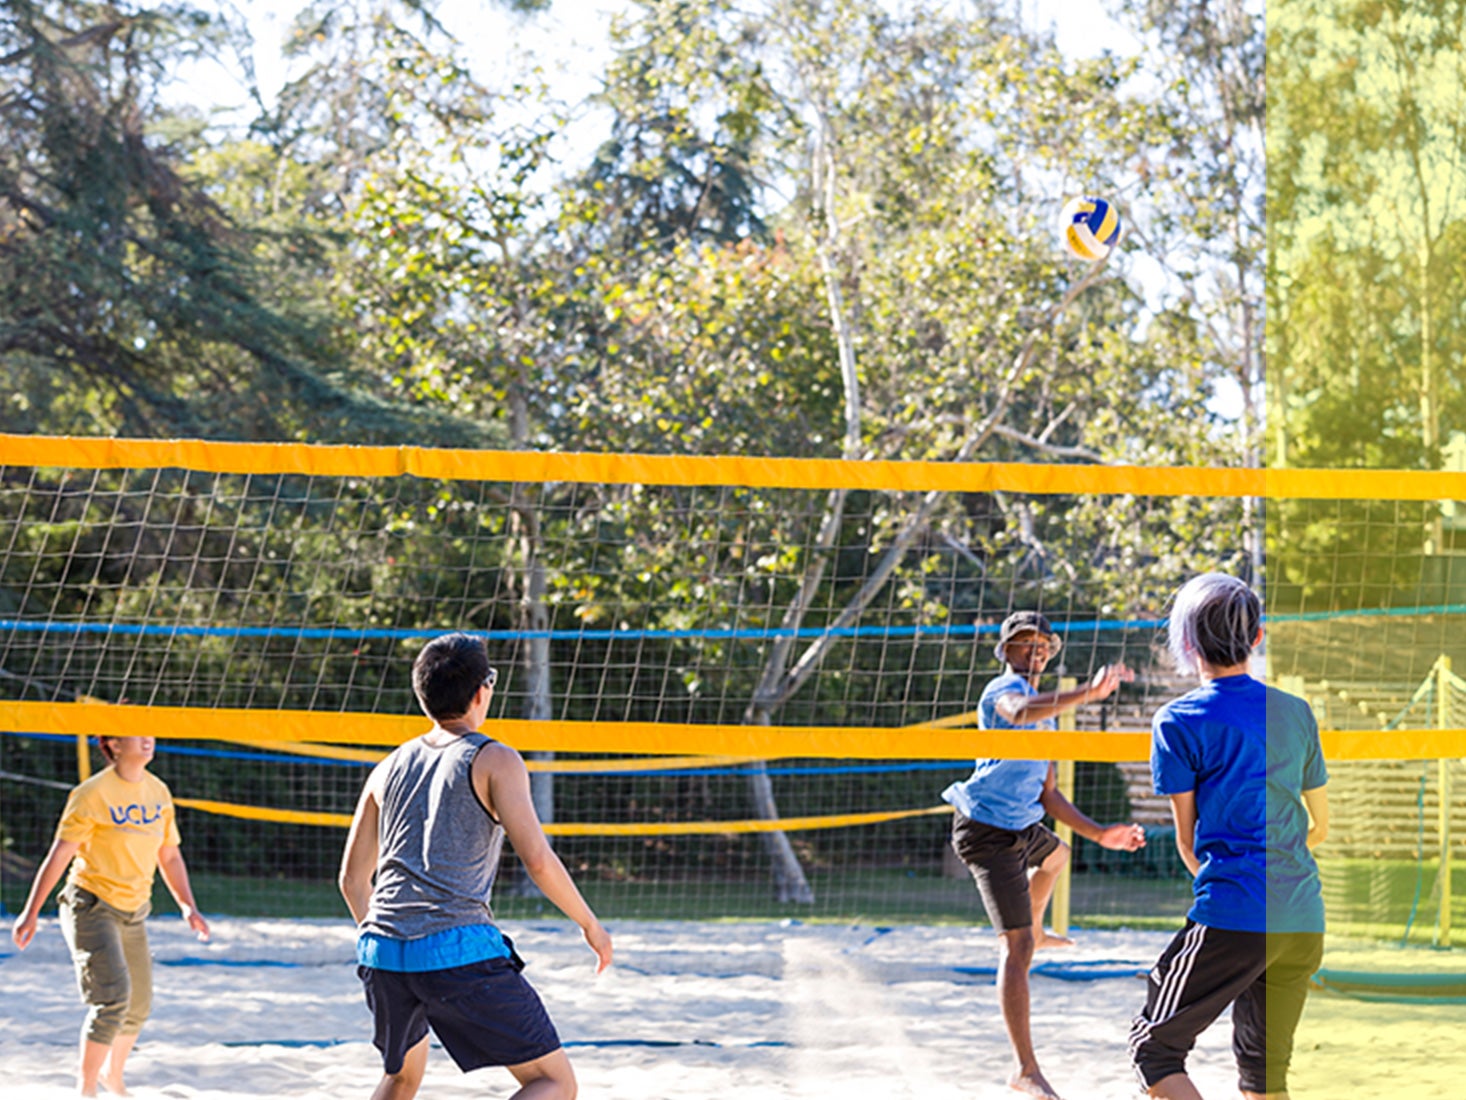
(747, 743)
(589, 828)
(744, 743)
(532, 466)
(263, 813)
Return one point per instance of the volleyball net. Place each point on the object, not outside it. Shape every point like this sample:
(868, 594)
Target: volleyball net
(741, 685)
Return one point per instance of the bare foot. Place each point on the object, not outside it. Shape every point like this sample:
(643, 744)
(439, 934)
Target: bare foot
(1032, 1083)
(1044, 938)
(114, 1086)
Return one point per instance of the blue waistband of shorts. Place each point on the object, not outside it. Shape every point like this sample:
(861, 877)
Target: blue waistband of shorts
(452, 947)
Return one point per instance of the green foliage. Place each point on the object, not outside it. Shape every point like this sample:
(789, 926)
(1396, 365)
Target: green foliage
(1366, 111)
(811, 230)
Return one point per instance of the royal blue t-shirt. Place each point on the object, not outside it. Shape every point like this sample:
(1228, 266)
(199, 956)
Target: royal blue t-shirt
(1249, 752)
(1003, 793)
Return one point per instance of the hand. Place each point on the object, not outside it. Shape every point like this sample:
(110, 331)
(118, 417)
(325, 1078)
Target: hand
(197, 923)
(1107, 679)
(1122, 838)
(24, 930)
(599, 941)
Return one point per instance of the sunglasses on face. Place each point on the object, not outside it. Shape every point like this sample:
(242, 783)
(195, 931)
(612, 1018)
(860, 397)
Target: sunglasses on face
(492, 678)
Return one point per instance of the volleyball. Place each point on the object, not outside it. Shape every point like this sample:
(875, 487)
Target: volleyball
(1091, 227)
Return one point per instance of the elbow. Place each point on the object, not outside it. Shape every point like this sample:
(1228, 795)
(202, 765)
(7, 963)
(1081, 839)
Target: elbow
(538, 861)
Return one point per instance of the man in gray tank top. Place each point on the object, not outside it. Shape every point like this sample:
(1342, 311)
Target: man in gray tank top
(418, 868)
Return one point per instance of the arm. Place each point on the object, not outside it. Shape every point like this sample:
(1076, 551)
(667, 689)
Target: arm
(359, 859)
(175, 877)
(1317, 801)
(1122, 837)
(48, 874)
(1024, 710)
(1183, 809)
(506, 787)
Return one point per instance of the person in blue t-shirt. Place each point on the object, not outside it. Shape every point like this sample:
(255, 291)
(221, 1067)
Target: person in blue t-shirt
(1242, 766)
(998, 831)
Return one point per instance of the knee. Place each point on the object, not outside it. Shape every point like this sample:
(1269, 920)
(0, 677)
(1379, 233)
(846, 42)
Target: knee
(554, 1078)
(1056, 859)
(105, 1021)
(1018, 943)
(139, 1008)
(566, 1086)
(405, 1081)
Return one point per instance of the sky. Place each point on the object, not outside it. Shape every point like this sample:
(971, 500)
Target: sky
(573, 33)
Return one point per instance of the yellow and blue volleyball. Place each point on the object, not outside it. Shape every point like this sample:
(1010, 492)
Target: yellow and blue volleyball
(1091, 227)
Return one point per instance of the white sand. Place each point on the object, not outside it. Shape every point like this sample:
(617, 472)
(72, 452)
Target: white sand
(745, 1011)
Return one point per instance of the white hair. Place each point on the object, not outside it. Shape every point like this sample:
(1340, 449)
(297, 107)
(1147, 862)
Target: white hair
(1215, 618)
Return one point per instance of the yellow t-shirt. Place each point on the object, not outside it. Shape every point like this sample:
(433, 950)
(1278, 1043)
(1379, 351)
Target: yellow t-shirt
(120, 827)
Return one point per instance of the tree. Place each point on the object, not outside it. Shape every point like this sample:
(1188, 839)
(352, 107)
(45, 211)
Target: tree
(1367, 130)
(1204, 186)
(131, 300)
(912, 235)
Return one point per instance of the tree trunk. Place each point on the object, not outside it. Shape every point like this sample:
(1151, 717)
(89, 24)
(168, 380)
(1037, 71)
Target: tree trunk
(534, 619)
(790, 884)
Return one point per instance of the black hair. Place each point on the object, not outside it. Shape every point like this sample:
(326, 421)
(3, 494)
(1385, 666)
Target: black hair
(448, 672)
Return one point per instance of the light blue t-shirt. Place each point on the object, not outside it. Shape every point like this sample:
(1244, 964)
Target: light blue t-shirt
(1249, 752)
(1003, 793)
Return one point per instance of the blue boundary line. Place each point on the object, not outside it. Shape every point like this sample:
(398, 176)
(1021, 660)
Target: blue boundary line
(336, 633)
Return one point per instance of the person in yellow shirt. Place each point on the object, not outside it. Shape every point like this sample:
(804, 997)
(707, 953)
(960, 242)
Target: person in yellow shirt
(116, 831)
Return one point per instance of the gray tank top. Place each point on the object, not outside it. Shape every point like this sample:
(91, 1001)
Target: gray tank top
(438, 848)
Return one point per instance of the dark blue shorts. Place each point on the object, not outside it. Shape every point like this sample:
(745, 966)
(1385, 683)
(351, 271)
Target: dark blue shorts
(484, 1014)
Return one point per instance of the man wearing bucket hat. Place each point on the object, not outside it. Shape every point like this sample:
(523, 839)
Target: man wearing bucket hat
(998, 830)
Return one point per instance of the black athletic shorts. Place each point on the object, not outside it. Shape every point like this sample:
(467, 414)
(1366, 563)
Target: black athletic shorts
(484, 1014)
(999, 860)
(1262, 975)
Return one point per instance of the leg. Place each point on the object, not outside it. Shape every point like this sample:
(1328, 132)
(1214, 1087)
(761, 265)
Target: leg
(93, 932)
(116, 1062)
(1017, 956)
(403, 1084)
(89, 1065)
(140, 1002)
(1265, 1016)
(547, 1078)
(998, 860)
(1200, 972)
(1041, 887)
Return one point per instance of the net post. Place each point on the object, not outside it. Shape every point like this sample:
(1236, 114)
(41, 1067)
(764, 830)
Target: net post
(83, 759)
(1443, 784)
(1059, 908)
